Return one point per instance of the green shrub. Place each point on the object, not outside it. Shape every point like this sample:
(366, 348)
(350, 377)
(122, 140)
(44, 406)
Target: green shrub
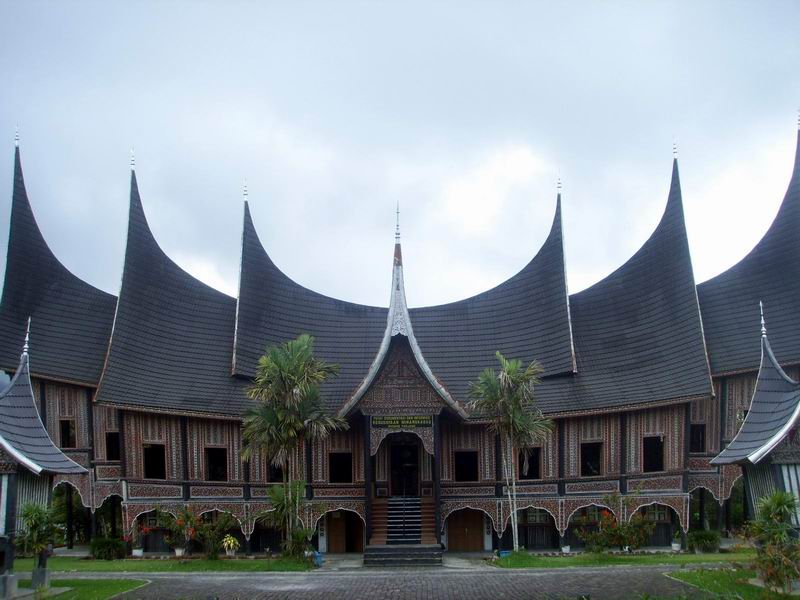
(104, 548)
(704, 541)
(778, 559)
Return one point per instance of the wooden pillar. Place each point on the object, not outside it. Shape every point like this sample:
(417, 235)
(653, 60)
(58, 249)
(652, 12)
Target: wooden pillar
(498, 467)
(309, 450)
(70, 524)
(184, 428)
(437, 476)
(720, 518)
(123, 449)
(702, 509)
(687, 434)
(728, 516)
(114, 504)
(367, 476)
(560, 427)
(623, 453)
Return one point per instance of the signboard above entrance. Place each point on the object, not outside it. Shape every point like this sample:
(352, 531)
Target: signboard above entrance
(402, 421)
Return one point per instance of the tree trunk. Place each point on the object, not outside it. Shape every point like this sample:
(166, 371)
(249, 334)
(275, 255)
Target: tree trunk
(512, 476)
(508, 466)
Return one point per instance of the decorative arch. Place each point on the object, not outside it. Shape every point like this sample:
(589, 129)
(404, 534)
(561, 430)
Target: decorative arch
(378, 435)
(78, 489)
(330, 510)
(730, 475)
(242, 521)
(315, 510)
(491, 512)
(104, 491)
(704, 486)
(134, 511)
(680, 504)
(550, 506)
(572, 506)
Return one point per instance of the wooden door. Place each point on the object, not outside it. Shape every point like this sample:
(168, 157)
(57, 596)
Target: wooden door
(337, 539)
(465, 531)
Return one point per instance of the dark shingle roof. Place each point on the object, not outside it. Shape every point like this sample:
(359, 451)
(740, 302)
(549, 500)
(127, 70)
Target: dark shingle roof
(773, 411)
(770, 272)
(173, 335)
(22, 434)
(525, 317)
(272, 309)
(638, 336)
(71, 320)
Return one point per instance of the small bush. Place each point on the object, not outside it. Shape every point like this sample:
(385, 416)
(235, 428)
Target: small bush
(704, 541)
(108, 548)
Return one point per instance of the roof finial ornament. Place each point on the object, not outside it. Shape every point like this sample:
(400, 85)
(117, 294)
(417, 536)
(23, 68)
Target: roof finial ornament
(558, 185)
(674, 148)
(27, 337)
(244, 189)
(16, 136)
(397, 225)
(133, 159)
(763, 323)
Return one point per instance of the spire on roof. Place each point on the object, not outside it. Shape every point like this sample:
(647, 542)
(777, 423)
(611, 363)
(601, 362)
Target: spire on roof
(26, 344)
(133, 159)
(558, 185)
(397, 225)
(674, 149)
(16, 137)
(763, 323)
(244, 189)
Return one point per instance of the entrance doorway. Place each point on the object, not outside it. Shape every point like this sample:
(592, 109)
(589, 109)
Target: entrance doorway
(404, 466)
(345, 532)
(465, 531)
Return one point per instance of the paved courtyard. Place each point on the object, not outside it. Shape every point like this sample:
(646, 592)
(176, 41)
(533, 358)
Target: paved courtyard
(443, 583)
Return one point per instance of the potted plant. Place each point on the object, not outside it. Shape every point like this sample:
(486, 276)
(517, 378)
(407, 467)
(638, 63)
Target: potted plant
(38, 530)
(676, 540)
(179, 530)
(565, 548)
(135, 539)
(231, 545)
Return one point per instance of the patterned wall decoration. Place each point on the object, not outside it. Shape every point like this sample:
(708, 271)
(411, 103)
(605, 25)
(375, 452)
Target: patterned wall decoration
(106, 419)
(259, 465)
(67, 402)
(81, 483)
(551, 505)
(400, 388)
(668, 422)
(705, 411)
(467, 437)
(578, 431)
(207, 433)
(104, 490)
(570, 506)
(651, 484)
(143, 428)
(378, 434)
(351, 440)
(314, 511)
(740, 390)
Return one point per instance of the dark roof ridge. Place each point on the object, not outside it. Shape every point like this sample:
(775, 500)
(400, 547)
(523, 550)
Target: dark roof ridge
(21, 203)
(770, 271)
(249, 227)
(71, 318)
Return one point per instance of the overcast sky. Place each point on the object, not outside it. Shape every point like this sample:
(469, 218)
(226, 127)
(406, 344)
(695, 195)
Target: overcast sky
(464, 112)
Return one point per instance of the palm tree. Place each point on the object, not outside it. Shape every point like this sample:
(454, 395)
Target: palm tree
(288, 406)
(506, 398)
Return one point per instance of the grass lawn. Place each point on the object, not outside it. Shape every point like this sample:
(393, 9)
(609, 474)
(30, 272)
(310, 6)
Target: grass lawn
(91, 589)
(728, 583)
(523, 560)
(155, 565)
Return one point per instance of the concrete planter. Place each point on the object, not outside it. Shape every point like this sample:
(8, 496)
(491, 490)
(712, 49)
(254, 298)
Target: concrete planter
(230, 552)
(137, 552)
(565, 549)
(676, 546)
(40, 578)
(180, 552)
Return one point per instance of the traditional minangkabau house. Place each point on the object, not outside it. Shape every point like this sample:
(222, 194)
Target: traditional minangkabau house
(646, 375)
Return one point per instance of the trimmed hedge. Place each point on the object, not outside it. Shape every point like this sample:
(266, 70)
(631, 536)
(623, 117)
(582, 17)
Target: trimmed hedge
(108, 548)
(703, 541)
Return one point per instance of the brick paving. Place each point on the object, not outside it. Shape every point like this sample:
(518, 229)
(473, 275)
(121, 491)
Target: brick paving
(414, 584)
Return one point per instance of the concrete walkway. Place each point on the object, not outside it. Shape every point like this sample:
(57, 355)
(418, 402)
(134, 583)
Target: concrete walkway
(608, 583)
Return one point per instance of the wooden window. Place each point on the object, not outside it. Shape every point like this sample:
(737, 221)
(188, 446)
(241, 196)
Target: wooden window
(112, 445)
(657, 513)
(67, 427)
(274, 473)
(653, 453)
(697, 437)
(155, 461)
(530, 464)
(340, 467)
(216, 464)
(592, 514)
(591, 459)
(538, 516)
(466, 465)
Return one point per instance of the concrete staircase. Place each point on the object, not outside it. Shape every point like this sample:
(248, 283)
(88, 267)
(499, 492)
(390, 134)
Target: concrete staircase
(403, 555)
(403, 533)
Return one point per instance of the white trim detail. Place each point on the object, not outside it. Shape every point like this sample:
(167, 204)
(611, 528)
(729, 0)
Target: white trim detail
(398, 322)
